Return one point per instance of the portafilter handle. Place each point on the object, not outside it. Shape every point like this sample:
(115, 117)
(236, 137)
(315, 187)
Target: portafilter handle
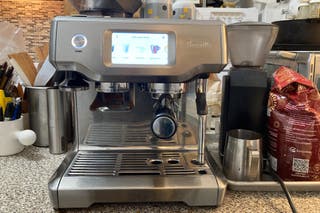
(164, 124)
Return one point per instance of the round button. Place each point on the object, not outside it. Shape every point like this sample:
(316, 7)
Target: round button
(79, 41)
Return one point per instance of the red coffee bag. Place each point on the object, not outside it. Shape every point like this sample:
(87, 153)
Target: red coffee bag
(294, 127)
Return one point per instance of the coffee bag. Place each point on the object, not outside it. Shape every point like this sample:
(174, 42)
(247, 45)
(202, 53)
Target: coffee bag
(294, 127)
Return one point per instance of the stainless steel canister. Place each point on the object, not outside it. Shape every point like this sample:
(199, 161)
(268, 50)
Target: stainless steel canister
(38, 114)
(57, 137)
(50, 116)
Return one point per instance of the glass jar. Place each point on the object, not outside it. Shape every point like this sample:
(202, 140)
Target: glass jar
(158, 9)
(303, 11)
(314, 9)
(184, 9)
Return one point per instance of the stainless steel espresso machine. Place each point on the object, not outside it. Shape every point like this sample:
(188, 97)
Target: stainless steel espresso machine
(134, 138)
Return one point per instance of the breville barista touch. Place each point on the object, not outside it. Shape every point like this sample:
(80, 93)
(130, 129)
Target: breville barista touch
(246, 87)
(134, 141)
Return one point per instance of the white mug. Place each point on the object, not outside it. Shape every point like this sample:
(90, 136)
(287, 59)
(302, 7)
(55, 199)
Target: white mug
(14, 138)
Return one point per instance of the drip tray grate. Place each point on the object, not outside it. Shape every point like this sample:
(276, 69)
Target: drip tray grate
(122, 134)
(117, 164)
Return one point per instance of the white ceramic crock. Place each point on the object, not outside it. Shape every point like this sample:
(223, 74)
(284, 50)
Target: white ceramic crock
(13, 138)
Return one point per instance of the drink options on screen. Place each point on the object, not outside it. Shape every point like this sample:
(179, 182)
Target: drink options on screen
(139, 48)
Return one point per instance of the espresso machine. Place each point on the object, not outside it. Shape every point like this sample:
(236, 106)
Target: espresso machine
(134, 139)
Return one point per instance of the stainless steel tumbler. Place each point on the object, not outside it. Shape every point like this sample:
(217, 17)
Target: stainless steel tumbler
(243, 155)
(50, 116)
(38, 114)
(57, 137)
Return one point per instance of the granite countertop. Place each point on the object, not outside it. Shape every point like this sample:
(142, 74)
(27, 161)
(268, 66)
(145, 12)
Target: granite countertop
(24, 178)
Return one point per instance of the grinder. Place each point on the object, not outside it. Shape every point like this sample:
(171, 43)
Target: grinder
(246, 87)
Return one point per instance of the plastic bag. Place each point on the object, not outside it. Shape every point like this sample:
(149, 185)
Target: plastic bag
(294, 127)
(214, 104)
(11, 40)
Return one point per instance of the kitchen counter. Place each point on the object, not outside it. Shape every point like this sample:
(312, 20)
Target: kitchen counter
(24, 178)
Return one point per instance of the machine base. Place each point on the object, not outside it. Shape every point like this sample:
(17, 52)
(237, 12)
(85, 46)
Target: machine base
(88, 177)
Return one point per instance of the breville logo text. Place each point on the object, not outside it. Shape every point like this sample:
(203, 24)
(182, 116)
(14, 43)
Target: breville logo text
(198, 44)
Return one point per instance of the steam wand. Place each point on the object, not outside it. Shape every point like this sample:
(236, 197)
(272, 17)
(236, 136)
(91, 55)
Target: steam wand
(202, 111)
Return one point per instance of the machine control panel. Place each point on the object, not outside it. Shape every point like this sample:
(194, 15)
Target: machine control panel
(137, 50)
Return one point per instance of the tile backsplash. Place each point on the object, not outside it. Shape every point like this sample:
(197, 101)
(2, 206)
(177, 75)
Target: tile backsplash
(33, 17)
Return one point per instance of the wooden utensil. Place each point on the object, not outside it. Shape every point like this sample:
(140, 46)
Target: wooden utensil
(24, 66)
(42, 52)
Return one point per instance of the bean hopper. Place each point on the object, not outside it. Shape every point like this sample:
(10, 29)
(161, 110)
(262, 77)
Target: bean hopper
(135, 137)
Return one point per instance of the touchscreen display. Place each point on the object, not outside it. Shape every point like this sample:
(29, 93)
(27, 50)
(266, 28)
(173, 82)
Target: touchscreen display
(139, 48)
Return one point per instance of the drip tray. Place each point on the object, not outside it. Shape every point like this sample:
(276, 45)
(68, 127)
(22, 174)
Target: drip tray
(117, 164)
(87, 177)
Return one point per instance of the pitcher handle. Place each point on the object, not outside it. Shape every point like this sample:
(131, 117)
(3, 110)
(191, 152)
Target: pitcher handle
(253, 164)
